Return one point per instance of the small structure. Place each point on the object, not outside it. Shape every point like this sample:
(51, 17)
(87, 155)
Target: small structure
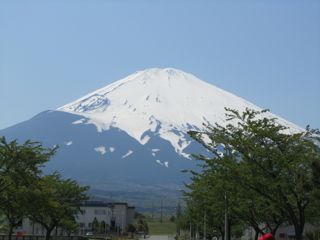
(98, 211)
(105, 215)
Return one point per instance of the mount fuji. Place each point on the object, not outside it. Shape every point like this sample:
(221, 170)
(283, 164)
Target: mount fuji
(132, 134)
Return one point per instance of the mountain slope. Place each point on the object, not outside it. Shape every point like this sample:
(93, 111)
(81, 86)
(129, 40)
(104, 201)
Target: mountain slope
(131, 136)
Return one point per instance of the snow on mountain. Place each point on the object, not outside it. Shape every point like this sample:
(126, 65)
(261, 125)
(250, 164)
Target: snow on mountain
(127, 154)
(131, 135)
(101, 150)
(68, 143)
(164, 102)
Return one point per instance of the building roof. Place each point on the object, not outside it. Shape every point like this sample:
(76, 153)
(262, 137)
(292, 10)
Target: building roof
(119, 203)
(95, 203)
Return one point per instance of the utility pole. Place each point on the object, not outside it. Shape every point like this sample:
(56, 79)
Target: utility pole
(178, 214)
(161, 213)
(190, 231)
(152, 216)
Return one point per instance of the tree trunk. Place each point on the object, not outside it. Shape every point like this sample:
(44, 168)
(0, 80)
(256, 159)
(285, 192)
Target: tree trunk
(298, 232)
(256, 233)
(221, 230)
(222, 233)
(229, 229)
(275, 229)
(10, 232)
(48, 233)
(298, 224)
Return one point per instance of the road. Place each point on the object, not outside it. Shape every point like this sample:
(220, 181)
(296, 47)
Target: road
(158, 237)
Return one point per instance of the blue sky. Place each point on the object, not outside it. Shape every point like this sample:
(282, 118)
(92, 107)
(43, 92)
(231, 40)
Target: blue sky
(54, 51)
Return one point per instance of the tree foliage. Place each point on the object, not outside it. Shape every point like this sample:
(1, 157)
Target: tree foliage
(95, 225)
(25, 192)
(20, 163)
(20, 168)
(55, 201)
(266, 172)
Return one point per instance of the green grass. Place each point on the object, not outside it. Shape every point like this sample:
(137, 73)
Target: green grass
(164, 228)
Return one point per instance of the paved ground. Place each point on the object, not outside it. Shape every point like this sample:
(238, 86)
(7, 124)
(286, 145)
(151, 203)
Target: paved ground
(158, 237)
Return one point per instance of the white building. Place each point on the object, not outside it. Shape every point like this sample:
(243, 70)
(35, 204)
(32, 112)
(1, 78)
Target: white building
(110, 216)
(116, 215)
(91, 210)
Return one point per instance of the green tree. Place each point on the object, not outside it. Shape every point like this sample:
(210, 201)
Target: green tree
(130, 228)
(20, 163)
(19, 169)
(69, 226)
(209, 200)
(55, 201)
(142, 226)
(259, 155)
(103, 227)
(95, 225)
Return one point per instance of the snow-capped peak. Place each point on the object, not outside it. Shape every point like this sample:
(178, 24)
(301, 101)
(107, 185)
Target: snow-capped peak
(166, 102)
